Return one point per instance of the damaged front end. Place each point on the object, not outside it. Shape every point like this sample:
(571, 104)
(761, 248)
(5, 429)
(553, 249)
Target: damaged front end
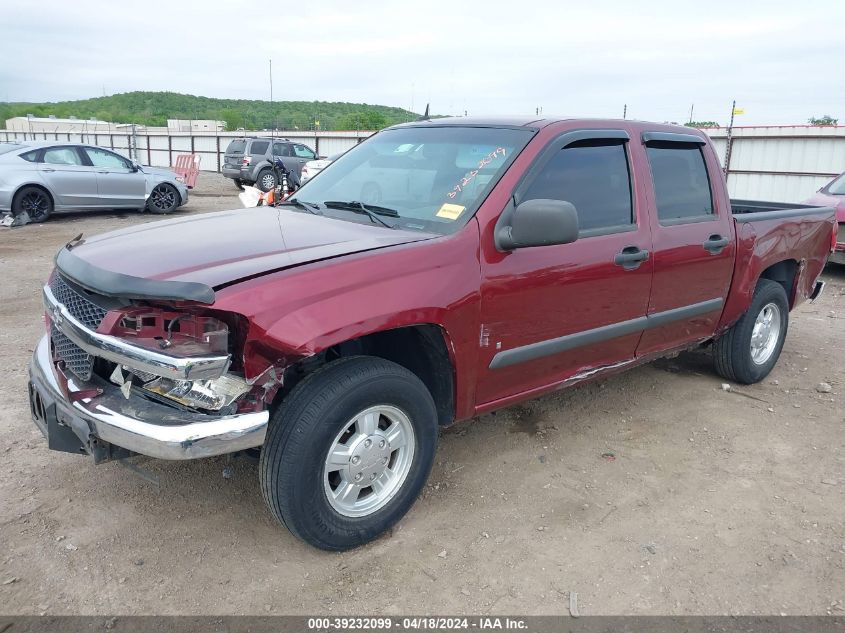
(176, 365)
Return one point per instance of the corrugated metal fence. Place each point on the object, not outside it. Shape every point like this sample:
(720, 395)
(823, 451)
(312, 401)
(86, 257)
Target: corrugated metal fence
(782, 163)
(161, 149)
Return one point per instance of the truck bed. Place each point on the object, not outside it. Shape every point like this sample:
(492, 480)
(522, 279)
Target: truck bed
(751, 210)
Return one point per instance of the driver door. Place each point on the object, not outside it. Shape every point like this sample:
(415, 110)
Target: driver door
(555, 313)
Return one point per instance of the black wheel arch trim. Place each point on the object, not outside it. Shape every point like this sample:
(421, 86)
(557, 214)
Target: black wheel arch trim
(548, 347)
(111, 284)
(37, 185)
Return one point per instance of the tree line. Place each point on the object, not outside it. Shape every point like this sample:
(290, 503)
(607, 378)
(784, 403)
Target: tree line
(154, 108)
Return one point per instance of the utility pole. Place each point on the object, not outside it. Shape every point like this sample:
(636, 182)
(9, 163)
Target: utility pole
(273, 119)
(691, 110)
(729, 141)
(625, 111)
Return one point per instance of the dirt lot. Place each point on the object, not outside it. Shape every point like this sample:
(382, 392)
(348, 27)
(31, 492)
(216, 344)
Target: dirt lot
(655, 492)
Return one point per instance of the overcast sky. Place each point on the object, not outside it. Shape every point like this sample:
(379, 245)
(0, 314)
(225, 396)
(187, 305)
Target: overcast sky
(782, 62)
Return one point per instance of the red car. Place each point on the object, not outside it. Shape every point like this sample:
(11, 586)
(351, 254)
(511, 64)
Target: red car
(833, 195)
(439, 270)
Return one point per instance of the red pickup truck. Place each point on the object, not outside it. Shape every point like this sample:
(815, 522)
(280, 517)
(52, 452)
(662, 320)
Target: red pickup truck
(439, 270)
(833, 195)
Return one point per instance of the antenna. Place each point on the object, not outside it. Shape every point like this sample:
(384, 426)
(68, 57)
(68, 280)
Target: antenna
(272, 114)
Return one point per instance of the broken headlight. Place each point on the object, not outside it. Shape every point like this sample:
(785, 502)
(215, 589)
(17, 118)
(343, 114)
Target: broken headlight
(175, 333)
(211, 395)
(180, 334)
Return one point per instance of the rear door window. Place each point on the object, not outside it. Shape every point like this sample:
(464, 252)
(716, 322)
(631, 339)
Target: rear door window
(281, 149)
(681, 182)
(61, 156)
(259, 147)
(593, 175)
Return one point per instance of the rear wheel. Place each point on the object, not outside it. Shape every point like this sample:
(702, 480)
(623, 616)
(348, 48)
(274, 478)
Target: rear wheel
(163, 198)
(266, 180)
(748, 351)
(348, 451)
(33, 201)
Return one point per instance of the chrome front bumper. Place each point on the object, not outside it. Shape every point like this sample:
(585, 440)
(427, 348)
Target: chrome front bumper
(136, 424)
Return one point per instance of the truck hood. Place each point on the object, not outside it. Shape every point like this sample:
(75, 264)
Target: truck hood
(215, 249)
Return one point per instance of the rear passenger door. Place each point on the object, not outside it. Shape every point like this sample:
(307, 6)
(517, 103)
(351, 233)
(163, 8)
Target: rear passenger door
(72, 182)
(552, 313)
(284, 151)
(693, 241)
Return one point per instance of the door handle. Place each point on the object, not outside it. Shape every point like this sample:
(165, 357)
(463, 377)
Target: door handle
(48, 170)
(103, 172)
(630, 257)
(715, 243)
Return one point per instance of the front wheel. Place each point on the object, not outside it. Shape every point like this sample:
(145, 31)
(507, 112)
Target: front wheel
(748, 351)
(163, 198)
(348, 452)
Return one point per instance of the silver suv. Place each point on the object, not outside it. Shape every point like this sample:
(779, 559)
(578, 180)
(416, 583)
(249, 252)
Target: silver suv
(248, 160)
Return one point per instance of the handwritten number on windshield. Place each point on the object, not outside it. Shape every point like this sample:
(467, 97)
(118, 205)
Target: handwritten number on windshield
(470, 175)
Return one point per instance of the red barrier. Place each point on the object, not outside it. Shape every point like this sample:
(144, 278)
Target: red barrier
(188, 168)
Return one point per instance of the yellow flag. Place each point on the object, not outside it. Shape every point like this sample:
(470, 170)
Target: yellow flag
(739, 110)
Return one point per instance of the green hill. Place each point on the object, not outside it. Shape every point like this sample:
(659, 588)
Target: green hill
(154, 108)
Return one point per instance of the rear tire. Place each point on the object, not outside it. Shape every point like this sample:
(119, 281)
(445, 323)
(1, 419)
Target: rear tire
(33, 201)
(354, 421)
(266, 180)
(749, 350)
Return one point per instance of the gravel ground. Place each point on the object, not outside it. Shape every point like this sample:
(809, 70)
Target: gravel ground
(654, 492)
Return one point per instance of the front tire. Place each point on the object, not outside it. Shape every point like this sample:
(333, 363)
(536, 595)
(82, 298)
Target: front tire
(348, 451)
(749, 350)
(33, 201)
(163, 199)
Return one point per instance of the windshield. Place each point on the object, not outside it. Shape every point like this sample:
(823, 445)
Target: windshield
(434, 178)
(837, 187)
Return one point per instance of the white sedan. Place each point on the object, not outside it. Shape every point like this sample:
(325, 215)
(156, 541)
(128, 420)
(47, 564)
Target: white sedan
(314, 167)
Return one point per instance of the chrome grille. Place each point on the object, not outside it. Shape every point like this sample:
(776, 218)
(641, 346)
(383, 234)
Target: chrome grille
(76, 359)
(86, 312)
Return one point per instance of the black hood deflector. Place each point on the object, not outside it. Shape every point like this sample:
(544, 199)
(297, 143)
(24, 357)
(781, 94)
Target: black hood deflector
(113, 284)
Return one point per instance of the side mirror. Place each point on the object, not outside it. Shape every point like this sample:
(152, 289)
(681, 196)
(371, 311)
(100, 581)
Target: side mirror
(537, 223)
(136, 166)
